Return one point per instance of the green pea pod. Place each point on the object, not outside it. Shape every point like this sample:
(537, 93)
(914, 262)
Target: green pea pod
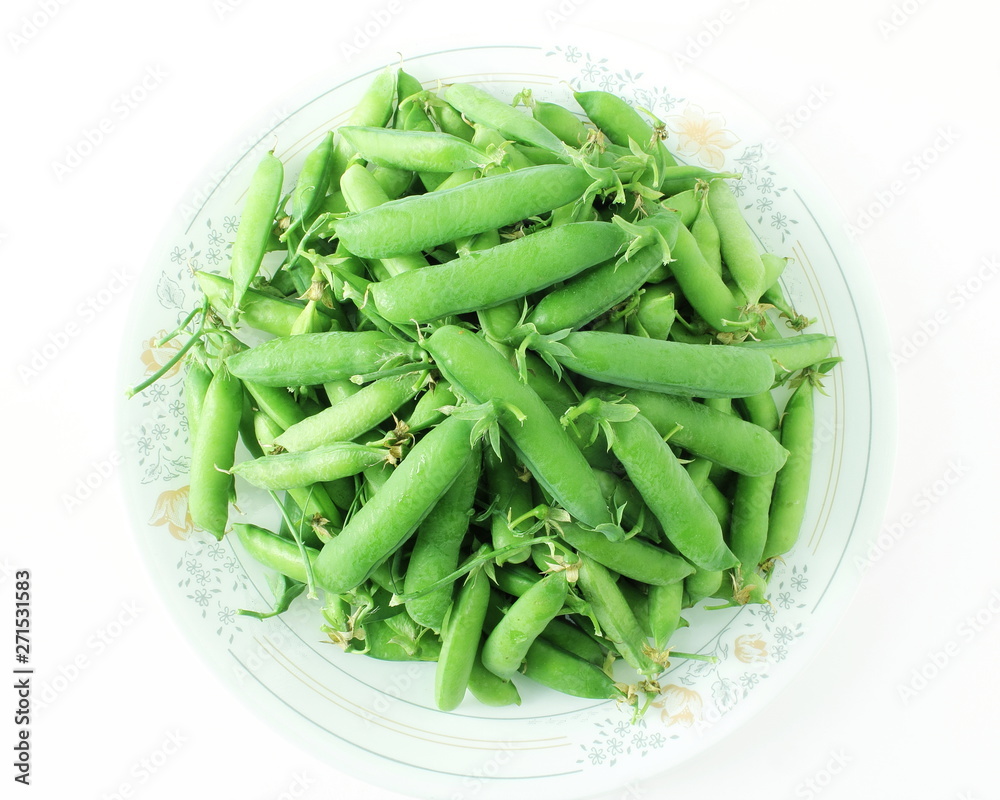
(508, 643)
(481, 373)
(690, 370)
(213, 452)
(491, 277)
(536, 155)
(791, 488)
(260, 310)
(491, 141)
(407, 86)
(480, 106)
(293, 470)
(333, 203)
(774, 267)
(490, 689)
(622, 124)
(450, 120)
(309, 321)
(561, 121)
(703, 583)
(698, 469)
(437, 546)
(795, 352)
(414, 150)
(279, 404)
(706, 234)
(751, 509)
(702, 286)
(553, 390)
(383, 641)
(665, 604)
(431, 407)
(393, 513)
(374, 110)
(196, 382)
(393, 182)
(739, 248)
(312, 501)
(633, 558)
(588, 295)
(761, 410)
(636, 517)
(574, 640)
(616, 618)
(638, 600)
(256, 222)
(516, 579)
(551, 666)
(413, 116)
(313, 181)
(656, 313)
(512, 499)
(363, 192)
(686, 204)
(374, 479)
(460, 641)
(496, 322)
(726, 439)
(422, 222)
(354, 415)
(688, 521)
(719, 504)
(313, 358)
(273, 551)
(681, 178)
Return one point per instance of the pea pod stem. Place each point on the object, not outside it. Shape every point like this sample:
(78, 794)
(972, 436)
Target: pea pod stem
(297, 536)
(195, 338)
(283, 600)
(275, 552)
(184, 323)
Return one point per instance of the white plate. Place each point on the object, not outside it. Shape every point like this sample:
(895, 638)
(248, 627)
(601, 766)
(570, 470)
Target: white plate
(377, 720)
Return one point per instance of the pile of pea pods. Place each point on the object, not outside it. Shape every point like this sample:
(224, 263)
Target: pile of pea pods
(513, 391)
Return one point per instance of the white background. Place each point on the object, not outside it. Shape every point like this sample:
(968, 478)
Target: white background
(912, 102)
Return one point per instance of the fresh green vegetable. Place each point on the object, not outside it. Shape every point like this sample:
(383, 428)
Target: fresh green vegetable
(512, 390)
